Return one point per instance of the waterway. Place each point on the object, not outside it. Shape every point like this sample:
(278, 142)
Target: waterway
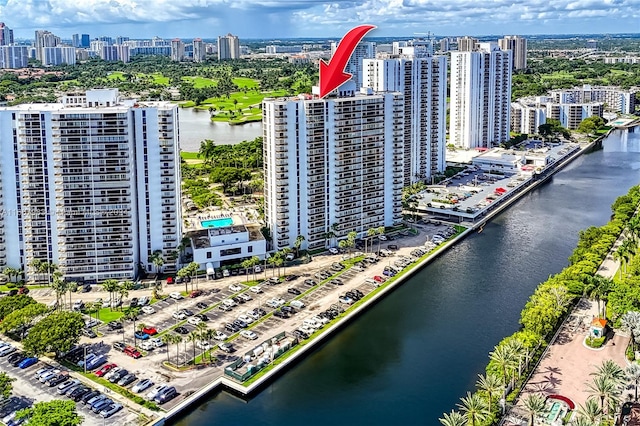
(411, 357)
(195, 126)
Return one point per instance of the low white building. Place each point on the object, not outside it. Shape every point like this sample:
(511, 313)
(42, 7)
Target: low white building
(228, 245)
(510, 161)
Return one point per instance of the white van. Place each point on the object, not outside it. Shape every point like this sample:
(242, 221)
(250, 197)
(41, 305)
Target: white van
(297, 304)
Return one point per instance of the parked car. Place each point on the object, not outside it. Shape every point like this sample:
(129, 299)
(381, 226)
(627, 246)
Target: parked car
(181, 330)
(112, 373)
(132, 352)
(179, 315)
(115, 325)
(226, 347)
(78, 305)
(195, 293)
(176, 295)
(118, 375)
(27, 362)
(141, 335)
(142, 385)
(235, 287)
(148, 310)
(127, 380)
(201, 305)
(87, 396)
(220, 336)
(333, 250)
(294, 290)
(297, 304)
(256, 289)
(110, 410)
(147, 345)
(119, 346)
(166, 395)
(194, 320)
(144, 300)
(105, 369)
(96, 408)
(248, 334)
(157, 342)
(151, 395)
(62, 388)
(89, 333)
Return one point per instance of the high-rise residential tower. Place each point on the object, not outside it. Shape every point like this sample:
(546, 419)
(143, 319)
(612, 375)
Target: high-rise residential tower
(90, 184)
(332, 166)
(480, 97)
(364, 50)
(177, 50)
(518, 47)
(14, 56)
(44, 39)
(228, 47)
(6, 35)
(423, 82)
(199, 52)
(467, 44)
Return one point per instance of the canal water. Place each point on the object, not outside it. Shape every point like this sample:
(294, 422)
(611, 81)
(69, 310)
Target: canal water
(195, 126)
(414, 354)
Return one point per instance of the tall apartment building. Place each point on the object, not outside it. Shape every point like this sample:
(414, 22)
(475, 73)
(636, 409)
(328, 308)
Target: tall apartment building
(14, 56)
(58, 55)
(44, 39)
(467, 44)
(618, 100)
(116, 52)
(444, 45)
(480, 97)
(91, 184)
(177, 50)
(364, 50)
(518, 47)
(199, 52)
(332, 165)
(6, 35)
(228, 47)
(423, 82)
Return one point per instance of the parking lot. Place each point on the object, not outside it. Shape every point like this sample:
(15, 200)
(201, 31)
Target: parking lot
(318, 299)
(28, 390)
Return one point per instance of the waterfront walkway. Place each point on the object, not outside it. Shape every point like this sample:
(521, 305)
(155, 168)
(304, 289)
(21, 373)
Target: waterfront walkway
(566, 366)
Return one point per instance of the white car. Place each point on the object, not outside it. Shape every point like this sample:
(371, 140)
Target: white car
(256, 289)
(235, 287)
(179, 315)
(6, 350)
(333, 250)
(176, 295)
(201, 344)
(228, 302)
(148, 310)
(111, 373)
(157, 342)
(144, 300)
(297, 304)
(246, 319)
(142, 385)
(245, 297)
(257, 269)
(290, 256)
(147, 345)
(220, 336)
(194, 320)
(248, 334)
(78, 305)
(150, 396)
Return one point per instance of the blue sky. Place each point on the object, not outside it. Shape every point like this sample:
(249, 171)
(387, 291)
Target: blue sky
(317, 18)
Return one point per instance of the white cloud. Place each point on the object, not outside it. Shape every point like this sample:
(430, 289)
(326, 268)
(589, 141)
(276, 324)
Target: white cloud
(318, 17)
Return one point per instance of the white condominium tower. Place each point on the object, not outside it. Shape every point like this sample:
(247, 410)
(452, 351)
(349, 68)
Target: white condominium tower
(228, 47)
(90, 184)
(480, 97)
(332, 165)
(364, 50)
(423, 81)
(518, 47)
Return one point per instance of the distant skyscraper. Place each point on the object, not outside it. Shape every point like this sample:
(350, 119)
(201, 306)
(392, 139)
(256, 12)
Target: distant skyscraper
(177, 50)
(467, 44)
(364, 50)
(198, 50)
(444, 45)
(106, 39)
(75, 40)
(518, 46)
(480, 97)
(121, 39)
(332, 165)
(14, 56)
(85, 41)
(6, 35)
(423, 81)
(228, 47)
(58, 55)
(44, 39)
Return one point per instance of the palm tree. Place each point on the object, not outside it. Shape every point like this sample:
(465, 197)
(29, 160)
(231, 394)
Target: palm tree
(207, 150)
(167, 339)
(475, 408)
(255, 261)
(505, 359)
(177, 339)
(604, 388)
(633, 374)
(193, 338)
(208, 334)
(132, 315)
(157, 260)
(599, 289)
(298, 243)
(11, 272)
(590, 411)
(371, 232)
(246, 264)
(60, 287)
(72, 286)
(285, 251)
(110, 286)
(380, 232)
(491, 385)
(453, 419)
(534, 405)
(611, 370)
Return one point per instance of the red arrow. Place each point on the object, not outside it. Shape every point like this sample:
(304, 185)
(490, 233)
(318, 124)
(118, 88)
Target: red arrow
(332, 74)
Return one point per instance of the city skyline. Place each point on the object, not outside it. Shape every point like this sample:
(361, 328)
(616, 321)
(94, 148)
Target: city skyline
(293, 18)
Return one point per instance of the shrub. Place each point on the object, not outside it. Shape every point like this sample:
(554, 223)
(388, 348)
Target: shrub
(12, 285)
(595, 342)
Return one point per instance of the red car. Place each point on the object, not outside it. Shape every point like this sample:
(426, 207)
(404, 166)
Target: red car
(195, 293)
(379, 279)
(170, 280)
(105, 369)
(150, 331)
(132, 352)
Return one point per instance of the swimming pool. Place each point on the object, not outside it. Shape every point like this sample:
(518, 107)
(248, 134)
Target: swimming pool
(217, 223)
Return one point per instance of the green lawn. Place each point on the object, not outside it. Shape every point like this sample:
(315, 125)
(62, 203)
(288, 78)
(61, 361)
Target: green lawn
(189, 155)
(241, 82)
(107, 315)
(245, 106)
(200, 82)
(116, 75)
